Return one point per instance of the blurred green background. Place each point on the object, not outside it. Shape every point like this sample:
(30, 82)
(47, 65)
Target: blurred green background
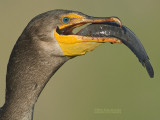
(106, 84)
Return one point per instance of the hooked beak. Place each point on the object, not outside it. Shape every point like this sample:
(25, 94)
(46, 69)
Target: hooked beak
(74, 44)
(91, 19)
(65, 31)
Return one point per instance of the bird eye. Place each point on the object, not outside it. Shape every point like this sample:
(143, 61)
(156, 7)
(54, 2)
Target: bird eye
(65, 20)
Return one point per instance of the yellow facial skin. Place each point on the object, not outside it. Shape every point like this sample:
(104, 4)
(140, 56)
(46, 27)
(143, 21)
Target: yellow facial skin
(74, 19)
(75, 45)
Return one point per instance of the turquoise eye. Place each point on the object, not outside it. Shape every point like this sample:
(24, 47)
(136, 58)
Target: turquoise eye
(65, 20)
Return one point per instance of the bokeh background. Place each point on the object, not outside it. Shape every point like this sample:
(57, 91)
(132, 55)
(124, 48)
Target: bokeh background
(106, 84)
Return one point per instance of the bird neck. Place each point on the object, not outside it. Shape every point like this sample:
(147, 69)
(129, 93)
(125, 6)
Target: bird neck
(29, 70)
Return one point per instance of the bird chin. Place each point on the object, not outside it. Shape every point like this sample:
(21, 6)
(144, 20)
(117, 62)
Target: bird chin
(75, 45)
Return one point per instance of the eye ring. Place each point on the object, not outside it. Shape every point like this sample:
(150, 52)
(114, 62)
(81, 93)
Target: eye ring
(65, 20)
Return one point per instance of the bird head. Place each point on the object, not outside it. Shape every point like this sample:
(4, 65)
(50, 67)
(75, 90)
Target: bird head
(57, 26)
